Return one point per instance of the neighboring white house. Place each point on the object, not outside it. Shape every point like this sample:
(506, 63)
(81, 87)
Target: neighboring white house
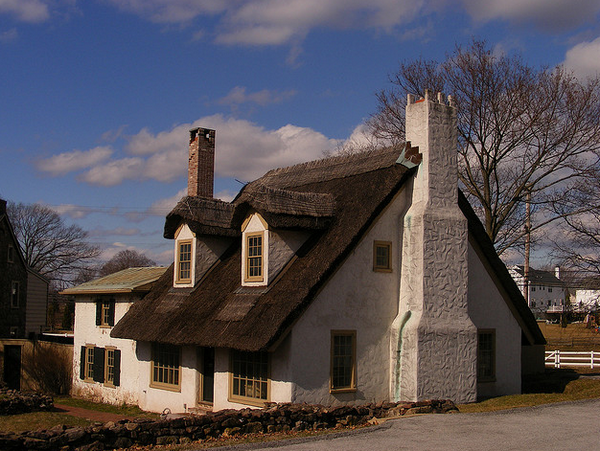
(105, 369)
(346, 280)
(547, 293)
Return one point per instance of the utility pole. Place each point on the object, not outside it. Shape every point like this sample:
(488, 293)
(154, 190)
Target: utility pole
(527, 247)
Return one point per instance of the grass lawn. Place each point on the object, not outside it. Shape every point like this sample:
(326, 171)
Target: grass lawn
(555, 386)
(47, 420)
(574, 337)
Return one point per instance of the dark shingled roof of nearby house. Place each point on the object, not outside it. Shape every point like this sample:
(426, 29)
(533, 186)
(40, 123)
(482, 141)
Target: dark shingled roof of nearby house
(540, 277)
(342, 196)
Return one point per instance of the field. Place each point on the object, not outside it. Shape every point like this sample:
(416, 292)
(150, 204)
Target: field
(574, 337)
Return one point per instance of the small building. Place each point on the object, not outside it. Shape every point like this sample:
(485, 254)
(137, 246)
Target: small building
(547, 294)
(23, 303)
(347, 280)
(105, 368)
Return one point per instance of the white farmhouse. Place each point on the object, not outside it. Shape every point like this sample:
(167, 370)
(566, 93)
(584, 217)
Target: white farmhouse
(346, 280)
(546, 292)
(105, 369)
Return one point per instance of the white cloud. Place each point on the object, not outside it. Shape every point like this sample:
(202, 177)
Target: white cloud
(163, 206)
(584, 59)
(73, 211)
(9, 35)
(66, 162)
(118, 231)
(238, 95)
(274, 22)
(31, 11)
(114, 172)
(547, 15)
(244, 150)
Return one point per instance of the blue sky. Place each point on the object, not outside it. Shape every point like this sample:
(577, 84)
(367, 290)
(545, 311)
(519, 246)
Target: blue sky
(97, 96)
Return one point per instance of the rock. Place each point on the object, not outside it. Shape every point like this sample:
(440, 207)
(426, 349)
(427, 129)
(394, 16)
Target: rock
(254, 427)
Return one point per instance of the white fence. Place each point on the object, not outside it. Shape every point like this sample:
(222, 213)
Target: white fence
(558, 359)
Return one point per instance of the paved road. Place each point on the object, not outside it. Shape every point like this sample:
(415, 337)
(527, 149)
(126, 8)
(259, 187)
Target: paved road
(564, 426)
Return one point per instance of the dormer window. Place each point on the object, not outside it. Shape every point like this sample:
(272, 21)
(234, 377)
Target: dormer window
(185, 272)
(184, 261)
(254, 257)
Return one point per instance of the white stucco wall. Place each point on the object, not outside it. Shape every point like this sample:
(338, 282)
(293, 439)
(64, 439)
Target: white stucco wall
(489, 310)
(355, 298)
(87, 333)
(157, 399)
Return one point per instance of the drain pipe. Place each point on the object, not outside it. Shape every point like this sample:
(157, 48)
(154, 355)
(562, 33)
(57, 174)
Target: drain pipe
(403, 322)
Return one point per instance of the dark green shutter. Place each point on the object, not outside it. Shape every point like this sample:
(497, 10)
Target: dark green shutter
(117, 378)
(99, 364)
(111, 313)
(82, 364)
(98, 312)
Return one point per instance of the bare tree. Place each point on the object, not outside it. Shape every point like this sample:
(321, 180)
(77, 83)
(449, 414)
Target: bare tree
(125, 259)
(54, 249)
(579, 244)
(522, 131)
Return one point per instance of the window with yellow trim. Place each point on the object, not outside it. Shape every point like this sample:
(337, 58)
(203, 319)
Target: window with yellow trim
(382, 256)
(166, 369)
(254, 257)
(184, 261)
(343, 361)
(89, 363)
(486, 355)
(249, 377)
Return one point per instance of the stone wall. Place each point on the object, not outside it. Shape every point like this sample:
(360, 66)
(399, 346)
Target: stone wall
(14, 402)
(225, 423)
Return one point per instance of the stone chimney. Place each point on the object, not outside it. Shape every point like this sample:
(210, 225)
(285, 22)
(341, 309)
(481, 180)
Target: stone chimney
(2, 206)
(201, 165)
(557, 272)
(434, 338)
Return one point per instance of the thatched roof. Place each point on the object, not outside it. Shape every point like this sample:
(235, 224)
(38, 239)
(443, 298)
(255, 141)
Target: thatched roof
(347, 192)
(219, 313)
(203, 215)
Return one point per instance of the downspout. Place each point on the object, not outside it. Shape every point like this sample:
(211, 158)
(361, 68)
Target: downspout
(397, 370)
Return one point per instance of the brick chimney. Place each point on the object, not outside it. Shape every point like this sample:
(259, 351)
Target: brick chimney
(201, 165)
(2, 206)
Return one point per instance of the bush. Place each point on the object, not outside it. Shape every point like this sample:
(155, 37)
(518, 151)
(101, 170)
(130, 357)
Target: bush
(49, 367)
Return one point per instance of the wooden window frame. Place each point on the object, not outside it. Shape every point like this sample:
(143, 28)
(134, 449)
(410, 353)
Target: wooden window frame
(105, 312)
(352, 387)
(15, 292)
(157, 367)
(10, 256)
(108, 380)
(480, 363)
(262, 379)
(180, 244)
(248, 257)
(89, 365)
(382, 245)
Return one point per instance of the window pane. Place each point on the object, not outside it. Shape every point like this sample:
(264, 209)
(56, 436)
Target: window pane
(165, 361)
(249, 374)
(342, 361)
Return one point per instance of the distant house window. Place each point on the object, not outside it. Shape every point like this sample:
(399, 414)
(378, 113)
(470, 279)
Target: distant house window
(184, 261)
(105, 312)
(166, 369)
(14, 295)
(532, 288)
(549, 290)
(254, 257)
(249, 377)
(343, 361)
(11, 253)
(382, 256)
(486, 356)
